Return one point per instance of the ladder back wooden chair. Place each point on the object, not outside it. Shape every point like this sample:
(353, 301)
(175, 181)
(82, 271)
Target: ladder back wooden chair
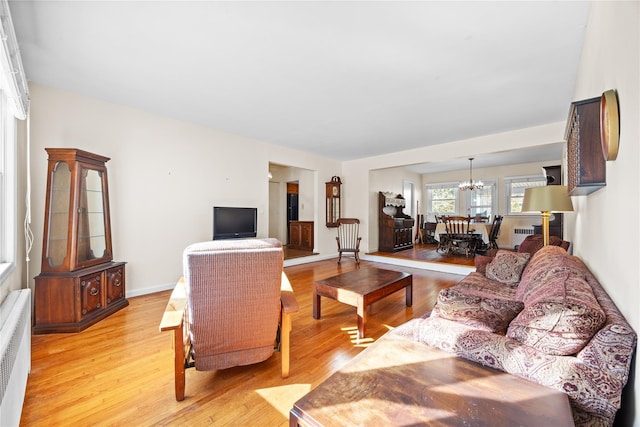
(443, 242)
(494, 232)
(233, 307)
(459, 235)
(348, 237)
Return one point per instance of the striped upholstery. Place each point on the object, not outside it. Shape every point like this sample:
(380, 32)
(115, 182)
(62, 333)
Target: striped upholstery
(233, 292)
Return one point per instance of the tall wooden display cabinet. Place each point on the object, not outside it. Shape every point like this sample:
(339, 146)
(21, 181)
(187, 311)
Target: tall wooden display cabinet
(79, 283)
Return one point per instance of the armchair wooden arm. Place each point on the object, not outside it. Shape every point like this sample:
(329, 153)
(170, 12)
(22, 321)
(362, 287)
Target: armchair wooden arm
(289, 307)
(173, 319)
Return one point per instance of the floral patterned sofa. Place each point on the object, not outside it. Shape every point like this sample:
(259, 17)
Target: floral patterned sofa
(544, 318)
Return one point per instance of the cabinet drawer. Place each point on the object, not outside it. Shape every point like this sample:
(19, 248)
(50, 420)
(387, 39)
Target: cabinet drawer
(90, 293)
(115, 284)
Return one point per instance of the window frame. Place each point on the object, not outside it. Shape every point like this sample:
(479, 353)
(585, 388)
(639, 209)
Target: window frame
(429, 197)
(539, 181)
(8, 191)
(494, 199)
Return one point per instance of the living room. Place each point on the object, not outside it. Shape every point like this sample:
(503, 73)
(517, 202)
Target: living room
(166, 174)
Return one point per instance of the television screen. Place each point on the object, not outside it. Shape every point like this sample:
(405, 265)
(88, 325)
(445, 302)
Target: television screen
(234, 223)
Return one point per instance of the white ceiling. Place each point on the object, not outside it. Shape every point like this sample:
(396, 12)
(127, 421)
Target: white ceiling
(340, 79)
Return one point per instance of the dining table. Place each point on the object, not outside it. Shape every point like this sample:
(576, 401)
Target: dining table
(481, 228)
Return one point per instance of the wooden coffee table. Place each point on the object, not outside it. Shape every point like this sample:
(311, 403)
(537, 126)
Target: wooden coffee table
(360, 288)
(400, 382)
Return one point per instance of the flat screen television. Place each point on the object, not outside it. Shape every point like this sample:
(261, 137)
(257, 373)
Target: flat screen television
(234, 223)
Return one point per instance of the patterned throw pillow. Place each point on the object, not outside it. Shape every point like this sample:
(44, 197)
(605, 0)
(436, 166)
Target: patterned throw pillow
(488, 314)
(507, 267)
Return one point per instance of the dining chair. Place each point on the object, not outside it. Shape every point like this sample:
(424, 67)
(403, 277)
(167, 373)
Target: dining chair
(459, 235)
(494, 232)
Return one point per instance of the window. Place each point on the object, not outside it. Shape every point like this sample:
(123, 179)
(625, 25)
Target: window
(442, 199)
(481, 202)
(14, 104)
(514, 191)
(408, 194)
(7, 187)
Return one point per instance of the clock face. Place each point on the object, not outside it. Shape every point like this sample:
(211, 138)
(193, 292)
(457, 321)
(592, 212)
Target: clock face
(334, 191)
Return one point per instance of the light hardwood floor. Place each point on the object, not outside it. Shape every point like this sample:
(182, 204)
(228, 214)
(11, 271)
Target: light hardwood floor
(119, 372)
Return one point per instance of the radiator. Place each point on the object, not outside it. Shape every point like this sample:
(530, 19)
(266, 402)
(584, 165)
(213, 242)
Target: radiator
(15, 356)
(519, 234)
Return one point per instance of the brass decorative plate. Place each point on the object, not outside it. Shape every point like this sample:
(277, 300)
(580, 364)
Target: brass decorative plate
(609, 124)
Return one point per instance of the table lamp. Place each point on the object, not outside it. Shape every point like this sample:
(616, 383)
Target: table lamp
(547, 199)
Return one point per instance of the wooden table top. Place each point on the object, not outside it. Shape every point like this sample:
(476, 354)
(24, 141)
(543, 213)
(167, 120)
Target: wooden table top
(397, 381)
(363, 280)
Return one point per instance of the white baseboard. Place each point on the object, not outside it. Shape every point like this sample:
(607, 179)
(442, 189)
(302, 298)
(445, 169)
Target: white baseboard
(308, 259)
(151, 290)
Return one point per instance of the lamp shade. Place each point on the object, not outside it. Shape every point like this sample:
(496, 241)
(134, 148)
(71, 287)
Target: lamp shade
(550, 198)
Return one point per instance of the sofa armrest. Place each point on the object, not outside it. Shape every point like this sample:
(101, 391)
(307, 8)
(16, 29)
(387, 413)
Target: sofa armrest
(481, 262)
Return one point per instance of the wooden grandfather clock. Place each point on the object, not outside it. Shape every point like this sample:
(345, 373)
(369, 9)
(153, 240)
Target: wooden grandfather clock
(79, 283)
(333, 201)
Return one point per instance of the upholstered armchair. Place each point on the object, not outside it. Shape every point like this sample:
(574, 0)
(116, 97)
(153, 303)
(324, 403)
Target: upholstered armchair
(233, 307)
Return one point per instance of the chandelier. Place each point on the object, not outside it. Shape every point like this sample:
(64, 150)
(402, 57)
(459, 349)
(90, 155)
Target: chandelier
(470, 185)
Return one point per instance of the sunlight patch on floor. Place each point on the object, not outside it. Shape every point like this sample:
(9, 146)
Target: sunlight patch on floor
(283, 397)
(353, 337)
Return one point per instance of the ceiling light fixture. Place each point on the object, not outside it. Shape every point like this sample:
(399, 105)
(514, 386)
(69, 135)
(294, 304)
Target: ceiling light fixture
(470, 185)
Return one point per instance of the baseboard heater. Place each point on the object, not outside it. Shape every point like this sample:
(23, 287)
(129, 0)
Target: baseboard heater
(519, 234)
(15, 355)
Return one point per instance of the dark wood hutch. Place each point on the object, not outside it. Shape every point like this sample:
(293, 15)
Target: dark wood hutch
(395, 229)
(79, 283)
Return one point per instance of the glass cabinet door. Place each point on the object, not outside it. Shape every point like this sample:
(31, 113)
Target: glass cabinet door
(92, 239)
(59, 210)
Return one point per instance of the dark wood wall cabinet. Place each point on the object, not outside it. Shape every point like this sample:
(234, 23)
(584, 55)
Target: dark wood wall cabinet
(79, 283)
(301, 233)
(586, 166)
(395, 229)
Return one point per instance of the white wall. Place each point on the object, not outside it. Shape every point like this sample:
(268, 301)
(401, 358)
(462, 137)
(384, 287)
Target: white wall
(164, 178)
(605, 227)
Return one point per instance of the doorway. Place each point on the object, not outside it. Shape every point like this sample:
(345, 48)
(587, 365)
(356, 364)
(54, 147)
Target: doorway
(292, 206)
(292, 197)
